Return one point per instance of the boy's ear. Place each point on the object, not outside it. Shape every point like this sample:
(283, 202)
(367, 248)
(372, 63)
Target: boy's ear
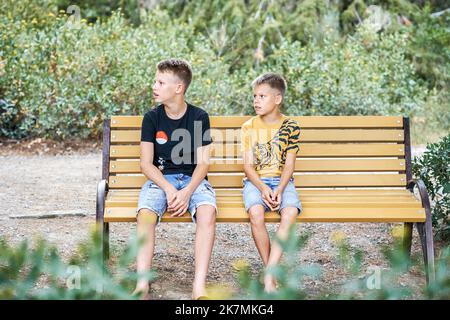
(278, 99)
(180, 88)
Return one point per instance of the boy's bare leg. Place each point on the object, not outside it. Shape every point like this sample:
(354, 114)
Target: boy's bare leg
(288, 217)
(259, 232)
(146, 222)
(204, 241)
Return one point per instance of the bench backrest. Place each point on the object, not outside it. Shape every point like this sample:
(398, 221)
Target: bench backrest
(335, 152)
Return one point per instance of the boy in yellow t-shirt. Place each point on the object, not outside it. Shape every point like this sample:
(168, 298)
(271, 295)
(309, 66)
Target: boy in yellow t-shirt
(270, 142)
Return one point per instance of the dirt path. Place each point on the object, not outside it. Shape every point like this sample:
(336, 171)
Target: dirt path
(32, 184)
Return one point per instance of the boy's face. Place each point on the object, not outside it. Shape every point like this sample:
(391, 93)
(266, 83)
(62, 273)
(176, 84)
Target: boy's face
(166, 86)
(265, 99)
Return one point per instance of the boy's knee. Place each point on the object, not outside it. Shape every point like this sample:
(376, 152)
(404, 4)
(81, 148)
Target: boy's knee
(147, 216)
(289, 214)
(256, 214)
(206, 215)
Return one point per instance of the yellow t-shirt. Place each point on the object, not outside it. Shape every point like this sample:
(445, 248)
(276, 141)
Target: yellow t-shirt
(270, 143)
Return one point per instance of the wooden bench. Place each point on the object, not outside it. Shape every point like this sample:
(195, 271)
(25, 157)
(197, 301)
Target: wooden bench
(349, 169)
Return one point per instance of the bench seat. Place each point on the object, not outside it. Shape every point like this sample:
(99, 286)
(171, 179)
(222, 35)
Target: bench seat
(369, 205)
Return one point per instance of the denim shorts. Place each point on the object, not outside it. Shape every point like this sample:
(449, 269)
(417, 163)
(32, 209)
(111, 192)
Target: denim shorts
(252, 195)
(152, 197)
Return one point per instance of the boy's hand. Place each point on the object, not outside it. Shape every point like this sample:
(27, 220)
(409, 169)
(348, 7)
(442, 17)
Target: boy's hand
(170, 195)
(180, 203)
(277, 197)
(267, 196)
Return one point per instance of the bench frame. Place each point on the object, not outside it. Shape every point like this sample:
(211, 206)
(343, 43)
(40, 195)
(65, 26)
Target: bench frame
(424, 229)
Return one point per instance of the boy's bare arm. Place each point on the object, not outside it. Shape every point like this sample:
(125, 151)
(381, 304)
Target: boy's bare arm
(150, 170)
(181, 202)
(266, 193)
(286, 175)
(250, 171)
(288, 170)
(201, 170)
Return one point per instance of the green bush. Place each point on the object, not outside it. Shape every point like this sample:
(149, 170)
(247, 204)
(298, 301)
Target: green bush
(10, 119)
(367, 74)
(93, 10)
(430, 48)
(433, 167)
(27, 9)
(65, 78)
(38, 272)
(432, 121)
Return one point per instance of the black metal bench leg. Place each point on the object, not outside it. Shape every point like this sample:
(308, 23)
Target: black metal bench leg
(421, 230)
(425, 229)
(429, 244)
(426, 240)
(105, 241)
(101, 225)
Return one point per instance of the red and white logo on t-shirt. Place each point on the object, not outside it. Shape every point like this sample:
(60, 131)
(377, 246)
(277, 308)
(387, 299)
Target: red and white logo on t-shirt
(161, 137)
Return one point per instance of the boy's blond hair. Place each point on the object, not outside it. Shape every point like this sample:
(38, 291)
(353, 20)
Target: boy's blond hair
(274, 80)
(178, 67)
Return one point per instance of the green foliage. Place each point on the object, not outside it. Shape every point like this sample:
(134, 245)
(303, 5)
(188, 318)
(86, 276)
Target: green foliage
(366, 74)
(38, 272)
(250, 28)
(247, 34)
(26, 9)
(381, 283)
(364, 282)
(62, 76)
(387, 283)
(430, 48)
(253, 27)
(10, 120)
(440, 289)
(93, 10)
(289, 275)
(67, 78)
(433, 167)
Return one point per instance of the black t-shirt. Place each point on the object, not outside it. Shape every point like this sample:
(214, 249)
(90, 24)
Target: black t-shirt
(176, 141)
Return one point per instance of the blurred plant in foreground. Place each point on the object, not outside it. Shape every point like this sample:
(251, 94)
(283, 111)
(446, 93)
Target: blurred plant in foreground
(38, 272)
(364, 282)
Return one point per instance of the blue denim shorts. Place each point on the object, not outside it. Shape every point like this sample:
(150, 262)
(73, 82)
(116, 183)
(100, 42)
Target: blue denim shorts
(152, 197)
(252, 195)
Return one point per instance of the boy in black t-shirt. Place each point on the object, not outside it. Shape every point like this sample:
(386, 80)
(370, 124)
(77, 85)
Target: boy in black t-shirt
(175, 146)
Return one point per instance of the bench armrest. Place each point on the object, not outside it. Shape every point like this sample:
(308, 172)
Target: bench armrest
(422, 191)
(102, 190)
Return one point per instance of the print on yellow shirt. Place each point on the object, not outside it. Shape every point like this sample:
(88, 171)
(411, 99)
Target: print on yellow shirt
(270, 143)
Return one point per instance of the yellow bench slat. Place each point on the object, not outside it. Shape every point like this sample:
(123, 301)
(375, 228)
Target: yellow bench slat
(307, 135)
(307, 201)
(132, 200)
(305, 204)
(306, 150)
(128, 201)
(301, 165)
(305, 192)
(309, 180)
(304, 121)
(308, 215)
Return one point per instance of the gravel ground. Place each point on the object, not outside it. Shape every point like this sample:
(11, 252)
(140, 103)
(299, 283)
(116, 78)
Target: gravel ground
(63, 182)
